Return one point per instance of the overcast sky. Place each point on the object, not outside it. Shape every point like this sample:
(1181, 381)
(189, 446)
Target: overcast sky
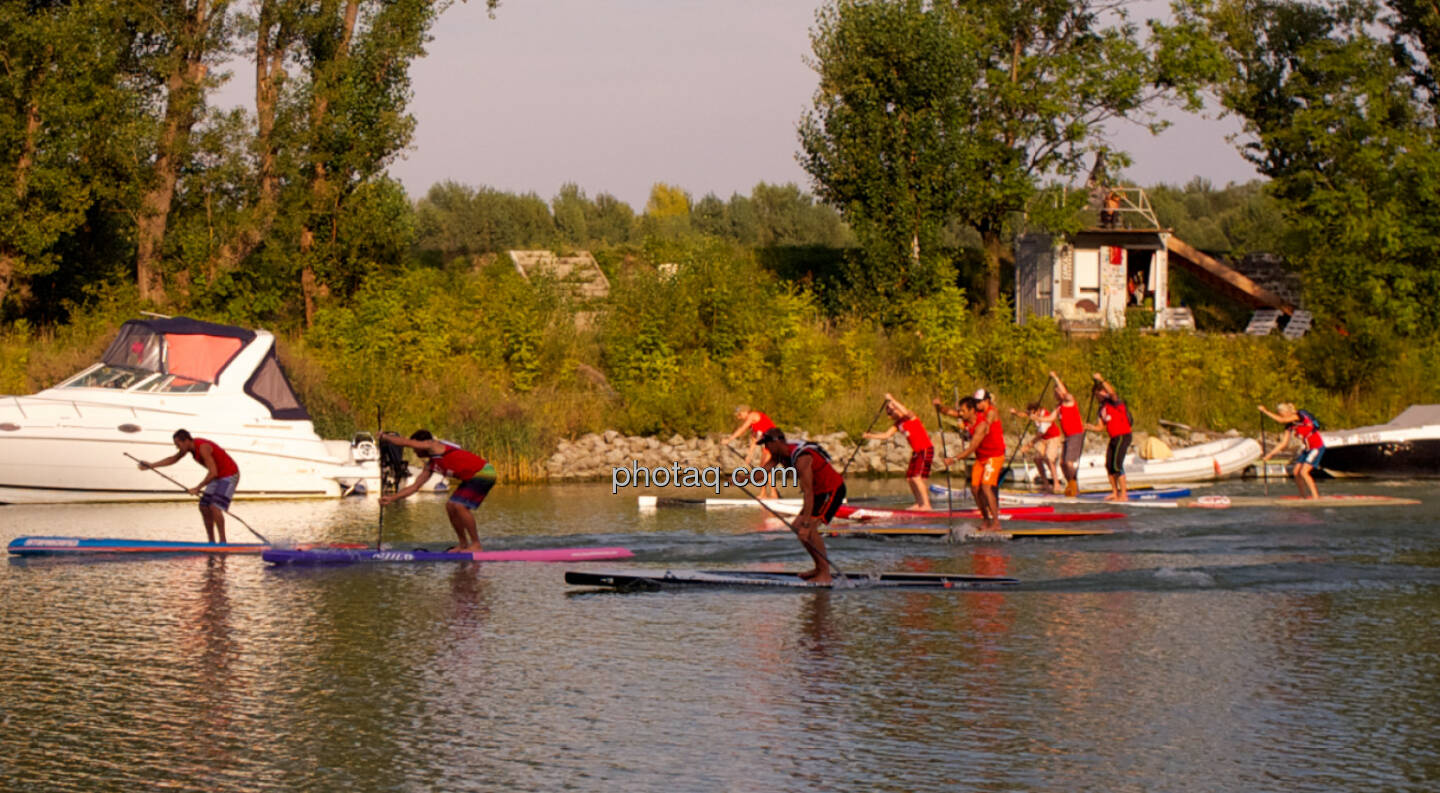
(618, 95)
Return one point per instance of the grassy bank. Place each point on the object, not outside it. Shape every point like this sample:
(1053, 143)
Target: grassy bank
(498, 364)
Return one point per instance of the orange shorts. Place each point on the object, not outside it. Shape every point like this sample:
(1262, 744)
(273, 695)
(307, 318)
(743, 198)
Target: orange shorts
(986, 471)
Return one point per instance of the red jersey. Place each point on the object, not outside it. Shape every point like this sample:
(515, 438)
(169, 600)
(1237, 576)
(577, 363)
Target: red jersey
(1070, 421)
(761, 424)
(1053, 431)
(1308, 433)
(456, 462)
(993, 444)
(1116, 417)
(914, 430)
(825, 477)
(224, 466)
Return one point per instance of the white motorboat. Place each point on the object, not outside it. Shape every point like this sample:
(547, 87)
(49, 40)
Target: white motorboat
(1201, 463)
(68, 443)
(1406, 447)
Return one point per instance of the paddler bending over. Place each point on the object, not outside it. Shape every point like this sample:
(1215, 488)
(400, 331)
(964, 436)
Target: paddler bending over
(823, 489)
(987, 443)
(476, 477)
(1302, 425)
(218, 486)
(757, 423)
(1115, 420)
(922, 450)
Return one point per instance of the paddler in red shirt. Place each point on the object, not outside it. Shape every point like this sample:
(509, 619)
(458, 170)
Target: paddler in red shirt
(1072, 427)
(823, 489)
(987, 443)
(216, 490)
(1115, 421)
(1046, 442)
(757, 423)
(1302, 425)
(922, 450)
(475, 473)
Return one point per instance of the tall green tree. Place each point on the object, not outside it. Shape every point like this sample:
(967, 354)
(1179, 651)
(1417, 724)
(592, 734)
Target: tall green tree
(1339, 107)
(928, 111)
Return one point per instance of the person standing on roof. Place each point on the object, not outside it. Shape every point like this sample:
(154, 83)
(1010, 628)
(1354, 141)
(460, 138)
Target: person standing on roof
(1300, 424)
(922, 449)
(476, 475)
(216, 490)
(758, 424)
(823, 489)
(1115, 421)
(1072, 426)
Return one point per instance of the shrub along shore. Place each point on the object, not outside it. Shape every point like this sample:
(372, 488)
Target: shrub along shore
(498, 364)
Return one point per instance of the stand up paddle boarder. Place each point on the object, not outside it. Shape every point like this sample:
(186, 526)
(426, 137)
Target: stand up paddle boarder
(1302, 425)
(922, 450)
(823, 489)
(1046, 443)
(1115, 421)
(987, 443)
(222, 475)
(475, 473)
(757, 423)
(1072, 426)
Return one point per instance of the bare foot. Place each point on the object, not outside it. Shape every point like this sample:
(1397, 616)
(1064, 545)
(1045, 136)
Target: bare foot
(921, 508)
(811, 574)
(822, 580)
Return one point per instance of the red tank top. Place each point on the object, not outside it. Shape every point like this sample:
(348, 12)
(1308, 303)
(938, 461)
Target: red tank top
(825, 477)
(761, 424)
(1307, 432)
(1053, 431)
(914, 430)
(456, 462)
(993, 444)
(1116, 417)
(1070, 421)
(224, 466)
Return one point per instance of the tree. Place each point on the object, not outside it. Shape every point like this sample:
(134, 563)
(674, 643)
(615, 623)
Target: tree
(1339, 107)
(929, 111)
(572, 210)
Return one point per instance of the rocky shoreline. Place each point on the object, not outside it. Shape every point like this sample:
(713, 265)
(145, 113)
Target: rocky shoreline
(592, 456)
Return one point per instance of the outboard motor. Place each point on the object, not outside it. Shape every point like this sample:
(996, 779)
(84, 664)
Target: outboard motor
(393, 468)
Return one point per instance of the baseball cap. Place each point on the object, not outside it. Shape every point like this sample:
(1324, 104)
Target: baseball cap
(981, 395)
(772, 434)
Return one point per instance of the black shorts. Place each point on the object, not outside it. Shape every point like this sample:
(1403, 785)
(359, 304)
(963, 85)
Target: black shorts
(827, 504)
(1115, 454)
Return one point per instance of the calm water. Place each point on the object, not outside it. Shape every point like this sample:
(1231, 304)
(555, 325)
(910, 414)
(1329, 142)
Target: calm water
(1285, 650)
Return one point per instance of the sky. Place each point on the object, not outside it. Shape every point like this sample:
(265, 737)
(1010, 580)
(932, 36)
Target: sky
(615, 96)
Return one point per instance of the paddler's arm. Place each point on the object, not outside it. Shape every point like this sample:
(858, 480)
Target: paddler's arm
(171, 460)
(882, 436)
(899, 408)
(410, 489)
(212, 471)
(974, 441)
(430, 446)
(1281, 444)
(806, 478)
(745, 425)
(943, 408)
(1060, 390)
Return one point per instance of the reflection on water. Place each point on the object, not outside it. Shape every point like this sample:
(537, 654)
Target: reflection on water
(1246, 650)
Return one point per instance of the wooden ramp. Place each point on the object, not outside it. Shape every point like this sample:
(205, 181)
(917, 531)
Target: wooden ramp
(1232, 281)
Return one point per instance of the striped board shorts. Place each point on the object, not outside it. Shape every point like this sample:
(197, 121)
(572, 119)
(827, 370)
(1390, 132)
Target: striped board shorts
(920, 463)
(471, 493)
(219, 492)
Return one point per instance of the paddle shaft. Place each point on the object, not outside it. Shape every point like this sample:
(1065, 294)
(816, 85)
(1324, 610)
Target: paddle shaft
(782, 519)
(1264, 464)
(878, 413)
(379, 430)
(238, 519)
(944, 452)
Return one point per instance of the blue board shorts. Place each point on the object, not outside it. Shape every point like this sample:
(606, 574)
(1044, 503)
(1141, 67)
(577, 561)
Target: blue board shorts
(471, 493)
(1310, 457)
(219, 492)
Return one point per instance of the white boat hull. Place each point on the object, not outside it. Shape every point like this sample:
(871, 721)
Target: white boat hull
(1203, 463)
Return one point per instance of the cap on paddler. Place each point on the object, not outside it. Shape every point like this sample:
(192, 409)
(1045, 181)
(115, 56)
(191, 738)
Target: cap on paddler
(772, 434)
(981, 395)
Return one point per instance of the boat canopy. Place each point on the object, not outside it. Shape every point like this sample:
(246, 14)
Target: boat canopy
(191, 355)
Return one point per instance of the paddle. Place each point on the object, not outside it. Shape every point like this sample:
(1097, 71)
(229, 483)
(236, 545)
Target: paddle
(878, 413)
(843, 579)
(1264, 464)
(186, 489)
(379, 431)
(944, 452)
(1005, 472)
